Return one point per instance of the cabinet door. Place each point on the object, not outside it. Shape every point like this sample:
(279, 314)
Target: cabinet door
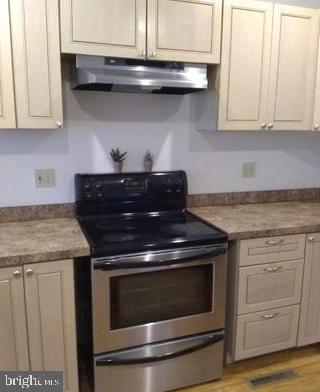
(309, 327)
(316, 113)
(104, 28)
(184, 30)
(266, 332)
(36, 63)
(7, 109)
(269, 286)
(13, 330)
(49, 289)
(293, 68)
(245, 58)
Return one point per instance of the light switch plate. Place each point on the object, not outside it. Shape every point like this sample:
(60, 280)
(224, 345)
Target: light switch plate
(248, 169)
(45, 178)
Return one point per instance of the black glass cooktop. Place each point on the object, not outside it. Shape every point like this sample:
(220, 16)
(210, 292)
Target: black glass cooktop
(139, 232)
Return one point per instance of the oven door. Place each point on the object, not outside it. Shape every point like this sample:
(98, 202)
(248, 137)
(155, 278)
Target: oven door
(145, 298)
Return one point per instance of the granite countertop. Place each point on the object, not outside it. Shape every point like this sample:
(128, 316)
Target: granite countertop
(245, 221)
(41, 240)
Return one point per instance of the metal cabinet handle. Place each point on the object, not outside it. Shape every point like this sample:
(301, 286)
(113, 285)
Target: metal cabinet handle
(272, 243)
(270, 316)
(263, 125)
(270, 126)
(16, 274)
(153, 53)
(59, 124)
(143, 53)
(310, 239)
(316, 126)
(29, 272)
(273, 269)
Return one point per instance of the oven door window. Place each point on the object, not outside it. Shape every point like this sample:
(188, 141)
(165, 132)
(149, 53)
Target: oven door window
(148, 297)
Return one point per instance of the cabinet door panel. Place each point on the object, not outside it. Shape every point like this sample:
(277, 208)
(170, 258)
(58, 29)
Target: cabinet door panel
(184, 30)
(13, 328)
(7, 109)
(246, 47)
(108, 28)
(293, 68)
(36, 61)
(266, 332)
(309, 327)
(269, 286)
(51, 319)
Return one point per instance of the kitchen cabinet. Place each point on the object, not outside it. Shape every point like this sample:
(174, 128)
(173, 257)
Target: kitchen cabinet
(7, 109)
(264, 295)
(245, 57)
(13, 332)
(175, 30)
(36, 63)
(38, 306)
(268, 66)
(309, 331)
(265, 332)
(180, 30)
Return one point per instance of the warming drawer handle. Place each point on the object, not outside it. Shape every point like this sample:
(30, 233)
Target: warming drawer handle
(201, 342)
(156, 259)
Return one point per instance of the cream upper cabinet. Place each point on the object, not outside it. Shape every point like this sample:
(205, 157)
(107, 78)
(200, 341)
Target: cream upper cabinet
(171, 30)
(184, 30)
(13, 331)
(49, 289)
(293, 68)
(246, 48)
(36, 63)
(309, 326)
(316, 113)
(107, 28)
(7, 109)
(268, 66)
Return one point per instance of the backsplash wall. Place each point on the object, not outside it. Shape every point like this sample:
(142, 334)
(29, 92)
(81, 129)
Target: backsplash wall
(178, 130)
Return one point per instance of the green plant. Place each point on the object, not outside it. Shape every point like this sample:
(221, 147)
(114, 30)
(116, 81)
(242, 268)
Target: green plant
(148, 156)
(117, 155)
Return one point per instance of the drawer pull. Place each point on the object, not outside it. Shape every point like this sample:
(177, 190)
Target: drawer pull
(273, 243)
(270, 316)
(272, 269)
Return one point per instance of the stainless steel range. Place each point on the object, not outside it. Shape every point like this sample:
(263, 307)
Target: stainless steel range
(151, 304)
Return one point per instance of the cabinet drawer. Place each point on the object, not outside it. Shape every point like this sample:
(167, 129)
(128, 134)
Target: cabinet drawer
(272, 249)
(266, 332)
(268, 286)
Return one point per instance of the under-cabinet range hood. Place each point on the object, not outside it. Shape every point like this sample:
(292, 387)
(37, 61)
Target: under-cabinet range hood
(136, 76)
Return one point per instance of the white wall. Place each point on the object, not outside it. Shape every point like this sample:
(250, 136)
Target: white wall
(95, 121)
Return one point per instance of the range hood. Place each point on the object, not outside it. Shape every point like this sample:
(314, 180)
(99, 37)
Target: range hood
(135, 76)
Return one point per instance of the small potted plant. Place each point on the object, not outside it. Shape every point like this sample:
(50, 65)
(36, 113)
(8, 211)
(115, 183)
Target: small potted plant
(117, 157)
(148, 161)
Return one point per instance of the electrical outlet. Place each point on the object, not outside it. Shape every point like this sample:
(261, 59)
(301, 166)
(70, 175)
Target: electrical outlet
(45, 178)
(248, 169)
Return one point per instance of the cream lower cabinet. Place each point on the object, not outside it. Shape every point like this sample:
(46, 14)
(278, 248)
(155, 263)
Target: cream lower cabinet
(309, 331)
(37, 306)
(268, 66)
(14, 353)
(264, 295)
(172, 30)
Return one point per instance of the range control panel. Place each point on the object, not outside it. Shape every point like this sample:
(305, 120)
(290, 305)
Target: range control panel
(131, 187)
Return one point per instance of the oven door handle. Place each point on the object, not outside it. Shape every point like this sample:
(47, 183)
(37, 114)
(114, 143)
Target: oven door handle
(159, 258)
(161, 351)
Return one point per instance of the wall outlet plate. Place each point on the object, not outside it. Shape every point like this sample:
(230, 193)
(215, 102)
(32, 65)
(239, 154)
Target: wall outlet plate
(45, 178)
(248, 169)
